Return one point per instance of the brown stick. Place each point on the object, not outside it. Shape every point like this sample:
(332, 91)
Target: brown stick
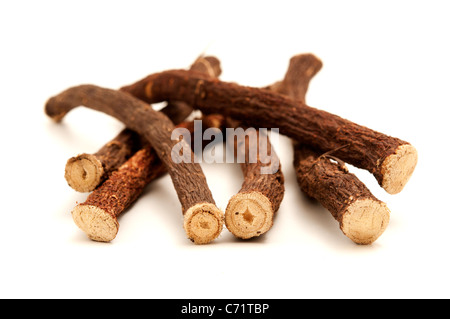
(251, 211)
(97, 216)
(361, 216)
(302, 68)
(201, 215)
(390, 160)
(86, 171)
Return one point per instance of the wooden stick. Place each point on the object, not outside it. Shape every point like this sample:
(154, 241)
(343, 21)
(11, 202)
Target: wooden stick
(251, 211)
(203, 220)
(302, 68)
(86, 171)
(98, 215)
(361, 216)
(390, 160)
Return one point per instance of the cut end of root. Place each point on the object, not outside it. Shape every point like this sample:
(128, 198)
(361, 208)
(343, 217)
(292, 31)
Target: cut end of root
(365, 220)
(209, 65)
(398, 168)
(95, 222)
(84, 172)
(203, 223)
(249, 215)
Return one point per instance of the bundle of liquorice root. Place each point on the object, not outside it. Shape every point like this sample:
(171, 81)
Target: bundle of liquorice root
(323, 142)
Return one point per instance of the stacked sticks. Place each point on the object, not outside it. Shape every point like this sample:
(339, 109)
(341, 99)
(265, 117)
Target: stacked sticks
(117, 174)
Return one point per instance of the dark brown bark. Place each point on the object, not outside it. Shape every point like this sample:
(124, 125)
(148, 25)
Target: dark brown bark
(203, 221)
(113, 154)
(86, 171)
(325, 178)
(188, 178)
(118, 150)
(356, 144)
(302, 68)
(125, 185)
(251, 211)
(328, 180)
(270, 185)
(216, 121)
(361, 216)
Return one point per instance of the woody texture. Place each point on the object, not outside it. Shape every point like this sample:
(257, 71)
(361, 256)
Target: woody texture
(323, 144)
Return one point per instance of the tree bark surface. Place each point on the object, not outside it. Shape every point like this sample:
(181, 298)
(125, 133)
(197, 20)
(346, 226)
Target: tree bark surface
(353, 143)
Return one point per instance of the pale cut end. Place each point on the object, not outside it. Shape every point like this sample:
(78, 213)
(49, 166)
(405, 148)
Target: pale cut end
(84, 173)
(398, 168)
(207, 64)
(365, 220)
(95, 222)
(203, 223)
(249, 215)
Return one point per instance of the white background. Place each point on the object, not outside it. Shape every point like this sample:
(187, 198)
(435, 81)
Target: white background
(386, 66)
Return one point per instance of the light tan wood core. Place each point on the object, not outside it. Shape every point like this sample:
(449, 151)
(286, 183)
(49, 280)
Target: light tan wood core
(203, 223)
(398, 168)
(365, 220)
(83, 173)
(95, 222)
(249, 215)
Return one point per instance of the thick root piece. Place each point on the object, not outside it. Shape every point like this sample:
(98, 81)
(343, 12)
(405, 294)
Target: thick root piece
(361, 216)
(352, 143)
